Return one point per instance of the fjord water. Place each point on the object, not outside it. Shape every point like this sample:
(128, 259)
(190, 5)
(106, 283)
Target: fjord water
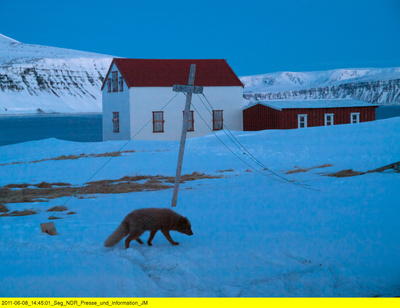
(76, 127)
(82, 127)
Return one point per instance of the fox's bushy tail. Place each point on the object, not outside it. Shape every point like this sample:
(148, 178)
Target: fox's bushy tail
(117, 235)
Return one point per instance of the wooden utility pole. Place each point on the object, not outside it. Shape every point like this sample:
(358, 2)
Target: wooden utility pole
(189, 89)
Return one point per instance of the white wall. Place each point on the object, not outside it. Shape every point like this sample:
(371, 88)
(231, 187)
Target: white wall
(145, 100)
(116, 102)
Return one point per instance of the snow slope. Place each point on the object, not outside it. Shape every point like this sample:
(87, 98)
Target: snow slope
(373, 85)
(254, 235)
(7, 40)
(48, 78)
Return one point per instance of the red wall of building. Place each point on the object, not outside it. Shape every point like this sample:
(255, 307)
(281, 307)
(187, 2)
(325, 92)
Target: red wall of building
(260, 117)
(316, 117)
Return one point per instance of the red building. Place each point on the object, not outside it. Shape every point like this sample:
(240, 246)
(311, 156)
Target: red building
(282, 114)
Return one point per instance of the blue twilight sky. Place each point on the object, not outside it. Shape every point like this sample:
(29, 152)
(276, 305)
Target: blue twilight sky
(254, 36)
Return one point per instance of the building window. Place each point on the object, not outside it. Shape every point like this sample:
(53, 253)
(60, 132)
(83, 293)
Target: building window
(355, 117)
(115, 81)
(218, 120)
(158, 121)
(302, 120)
(109, 85)
(121, 84)
(329, 119)
(115, 121)
(190, 125)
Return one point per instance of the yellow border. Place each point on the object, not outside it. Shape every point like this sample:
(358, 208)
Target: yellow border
(201, 302)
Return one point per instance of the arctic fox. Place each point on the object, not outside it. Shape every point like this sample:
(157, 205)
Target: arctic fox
(151, 219)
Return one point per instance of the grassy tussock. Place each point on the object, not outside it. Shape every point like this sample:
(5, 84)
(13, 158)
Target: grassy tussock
(3, 208)
(71, 157)
(57, 209)
(19, 213)
(298, 170)
(45, 191)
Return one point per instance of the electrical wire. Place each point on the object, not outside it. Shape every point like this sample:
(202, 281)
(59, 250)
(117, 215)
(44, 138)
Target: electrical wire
(246, 152)
(106, 163)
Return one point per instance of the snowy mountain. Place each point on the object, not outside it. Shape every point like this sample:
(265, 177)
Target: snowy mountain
(35, 78)
(374, 85)
(40, 78)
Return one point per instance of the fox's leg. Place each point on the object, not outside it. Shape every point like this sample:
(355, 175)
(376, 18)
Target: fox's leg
(133, 235)
(168, 237)
(152, 234)
(139, 241)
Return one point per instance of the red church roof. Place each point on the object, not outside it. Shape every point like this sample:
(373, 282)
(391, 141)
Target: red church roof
(166, 73)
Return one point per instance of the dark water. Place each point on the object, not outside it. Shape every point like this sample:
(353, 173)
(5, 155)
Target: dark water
(384, 112)
(80, 127)
(83, 127)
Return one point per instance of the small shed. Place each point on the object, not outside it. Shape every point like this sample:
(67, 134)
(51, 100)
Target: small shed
(289, 114)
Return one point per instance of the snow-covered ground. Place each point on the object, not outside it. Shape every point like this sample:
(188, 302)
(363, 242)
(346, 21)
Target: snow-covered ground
(253, 236)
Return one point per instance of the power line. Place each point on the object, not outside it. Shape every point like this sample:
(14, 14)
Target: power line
(205, 122)
(240, 146)
(119, 150)
(247, 153)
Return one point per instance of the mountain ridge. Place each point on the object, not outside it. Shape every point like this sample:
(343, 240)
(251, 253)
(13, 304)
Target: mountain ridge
(38, 78)
(374, 85)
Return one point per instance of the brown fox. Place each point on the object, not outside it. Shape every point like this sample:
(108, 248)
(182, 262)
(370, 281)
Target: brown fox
(151, 219)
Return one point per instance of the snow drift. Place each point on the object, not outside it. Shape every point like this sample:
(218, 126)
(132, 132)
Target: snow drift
(254, 235)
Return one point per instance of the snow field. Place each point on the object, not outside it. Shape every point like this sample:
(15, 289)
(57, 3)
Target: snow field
(253, 236)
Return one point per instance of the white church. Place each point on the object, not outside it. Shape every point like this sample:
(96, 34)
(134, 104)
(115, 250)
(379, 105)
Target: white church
(135, 92)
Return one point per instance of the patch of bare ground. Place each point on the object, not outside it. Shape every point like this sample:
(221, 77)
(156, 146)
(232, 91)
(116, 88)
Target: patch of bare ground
(50, 185)
(13, 163)
(70, 157)
(40, 185)
(345, 173)
(192, 177)
(298, 169)
(23, 185)
(45, 191)
(227, 170)
(3, 208)
(19, 213)
(350, 172)
(62, 157)
(57, 209)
